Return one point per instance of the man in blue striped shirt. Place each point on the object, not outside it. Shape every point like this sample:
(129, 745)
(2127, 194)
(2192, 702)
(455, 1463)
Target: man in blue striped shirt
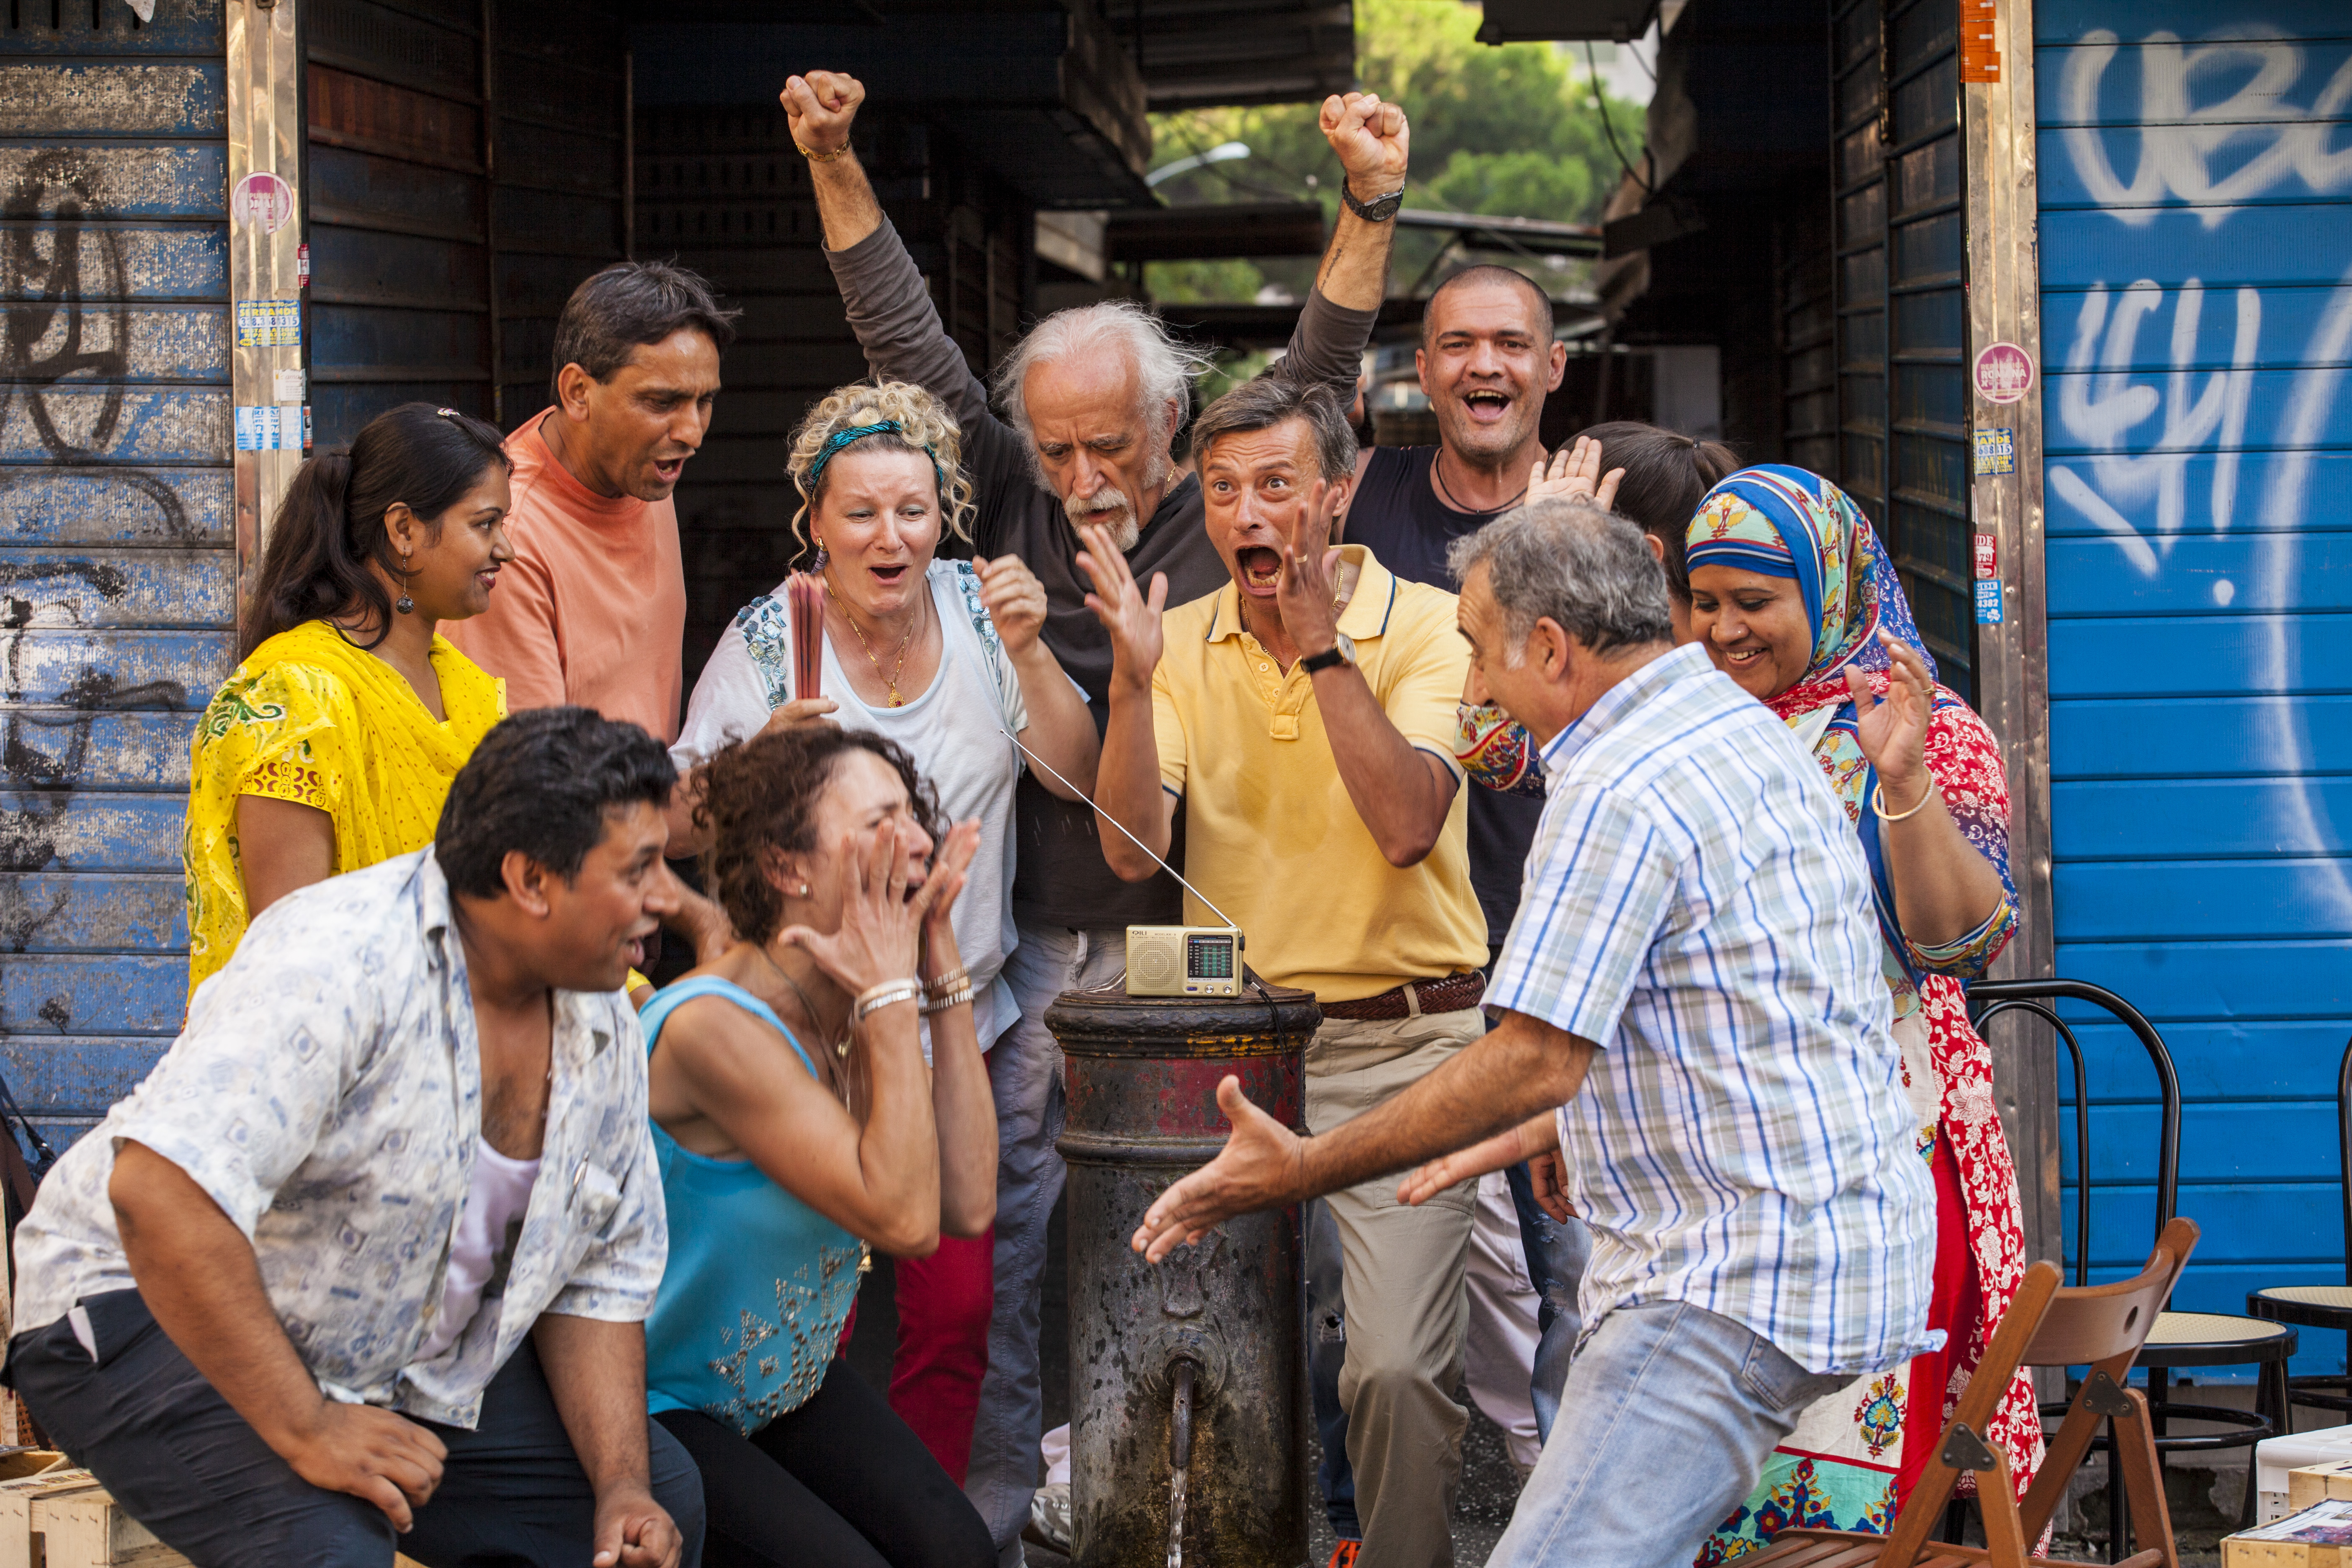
(1693, 981)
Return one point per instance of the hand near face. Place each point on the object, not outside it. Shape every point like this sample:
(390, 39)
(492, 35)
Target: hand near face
(1131, 618)
(800, 711)
(950, 868)
(821, 107)
(1304, 591)
(881, 927)
(1013, 599)
(1258, 1169)
(1893, 731)
(1371, 139)
(1575, 471)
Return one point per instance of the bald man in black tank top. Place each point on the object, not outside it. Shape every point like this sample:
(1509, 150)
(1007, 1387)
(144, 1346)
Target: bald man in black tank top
(1486, 361)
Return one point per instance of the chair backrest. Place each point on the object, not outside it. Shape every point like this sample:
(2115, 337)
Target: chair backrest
(2098, 1324)
(1989, 999)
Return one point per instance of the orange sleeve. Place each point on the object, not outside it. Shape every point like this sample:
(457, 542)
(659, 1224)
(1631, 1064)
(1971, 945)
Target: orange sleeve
(516, 638)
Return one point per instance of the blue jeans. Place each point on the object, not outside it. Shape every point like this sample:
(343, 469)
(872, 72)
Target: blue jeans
(1556, 1256)
(1665, 1423)
(1024, 1072)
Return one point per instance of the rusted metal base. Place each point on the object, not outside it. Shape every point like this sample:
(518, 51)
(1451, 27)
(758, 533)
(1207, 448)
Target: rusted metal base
(1142, 1075)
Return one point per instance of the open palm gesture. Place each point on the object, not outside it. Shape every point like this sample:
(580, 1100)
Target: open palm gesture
(1893, 730)
(1131, 616)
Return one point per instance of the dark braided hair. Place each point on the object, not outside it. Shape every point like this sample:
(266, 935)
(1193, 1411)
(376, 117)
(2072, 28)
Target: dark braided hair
(331, 525)
(760, 799)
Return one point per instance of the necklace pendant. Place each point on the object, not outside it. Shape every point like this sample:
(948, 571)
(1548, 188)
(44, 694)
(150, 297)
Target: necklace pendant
(897, 700)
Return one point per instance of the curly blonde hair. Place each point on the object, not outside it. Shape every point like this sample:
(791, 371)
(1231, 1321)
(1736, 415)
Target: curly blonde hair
(925, 426)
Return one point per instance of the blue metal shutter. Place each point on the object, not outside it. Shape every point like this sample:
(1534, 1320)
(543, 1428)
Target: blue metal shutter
(116, 568)
(2196, 231)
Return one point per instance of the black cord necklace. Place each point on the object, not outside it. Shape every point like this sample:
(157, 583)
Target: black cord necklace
(1438, 466)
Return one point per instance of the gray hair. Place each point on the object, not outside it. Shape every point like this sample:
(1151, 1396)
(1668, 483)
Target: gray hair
(629, 303)
(1265, 401)
(1164, 369)
(1589, 570)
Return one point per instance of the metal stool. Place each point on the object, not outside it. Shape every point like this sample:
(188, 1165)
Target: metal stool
(2321, 1305)
(2179, 1338)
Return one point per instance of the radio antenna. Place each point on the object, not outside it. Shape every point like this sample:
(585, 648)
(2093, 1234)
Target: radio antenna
(1115, 822)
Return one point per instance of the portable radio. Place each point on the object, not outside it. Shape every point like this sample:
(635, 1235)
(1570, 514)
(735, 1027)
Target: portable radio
(1184, 961)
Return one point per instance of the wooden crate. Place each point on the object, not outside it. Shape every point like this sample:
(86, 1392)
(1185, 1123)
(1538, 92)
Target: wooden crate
(86, 1527)
(17, 1547)
(2318, 1537)
(2318, 1483)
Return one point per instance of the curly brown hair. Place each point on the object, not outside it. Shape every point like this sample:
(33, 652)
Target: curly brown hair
(760, 800)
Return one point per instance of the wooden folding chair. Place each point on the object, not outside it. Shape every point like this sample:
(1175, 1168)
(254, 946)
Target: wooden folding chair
(2102, 1326)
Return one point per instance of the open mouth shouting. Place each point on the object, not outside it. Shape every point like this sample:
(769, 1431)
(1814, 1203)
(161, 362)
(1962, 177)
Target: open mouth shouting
(892, 575)
(667, 469)
(1485, 405)
(1261, 569)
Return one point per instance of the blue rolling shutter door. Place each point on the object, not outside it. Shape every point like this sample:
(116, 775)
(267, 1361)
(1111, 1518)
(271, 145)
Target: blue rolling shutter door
(116, 563)
(2196, 187)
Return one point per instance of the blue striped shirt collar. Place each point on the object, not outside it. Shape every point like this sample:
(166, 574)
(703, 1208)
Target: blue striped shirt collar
(1619, 701)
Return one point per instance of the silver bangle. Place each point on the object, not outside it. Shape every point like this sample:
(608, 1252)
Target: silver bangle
(1878, 803)
(890, 993)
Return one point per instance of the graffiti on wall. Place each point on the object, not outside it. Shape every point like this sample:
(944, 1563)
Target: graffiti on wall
(2195, 408)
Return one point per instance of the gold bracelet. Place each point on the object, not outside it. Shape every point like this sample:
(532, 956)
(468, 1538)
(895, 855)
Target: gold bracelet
(1878, 803)
(948, 982)
(834, 156)
(960, 997)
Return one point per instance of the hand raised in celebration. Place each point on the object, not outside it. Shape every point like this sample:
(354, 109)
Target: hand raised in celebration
(1372, 140)
(881, 927)
(1013, 599)
(821, 107)
(1304, 589)
(1261, 1167)
(1575, 471)
(1131, 618)
(1893, 730)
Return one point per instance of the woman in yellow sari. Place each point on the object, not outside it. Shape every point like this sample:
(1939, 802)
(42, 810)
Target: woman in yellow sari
(333, 744)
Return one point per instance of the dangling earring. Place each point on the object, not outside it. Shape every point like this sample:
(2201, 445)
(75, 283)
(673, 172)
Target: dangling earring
(405, 604)
(822, 558)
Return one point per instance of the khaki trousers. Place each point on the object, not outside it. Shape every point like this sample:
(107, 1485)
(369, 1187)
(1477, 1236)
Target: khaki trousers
(1402, 1285)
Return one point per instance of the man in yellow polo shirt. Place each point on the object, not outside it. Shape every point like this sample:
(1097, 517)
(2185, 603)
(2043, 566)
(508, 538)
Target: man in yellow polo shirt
(1302, 718)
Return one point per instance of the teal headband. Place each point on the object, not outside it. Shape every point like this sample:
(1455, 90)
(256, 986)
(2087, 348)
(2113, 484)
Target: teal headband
(840, 438)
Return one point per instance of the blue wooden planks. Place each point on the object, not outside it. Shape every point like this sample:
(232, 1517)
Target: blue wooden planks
(75, 505)
(2205, 655)
(2294, 1059)
(2176, 820)
(159, 179)
(109, 670)
(177, 27)
(2208, 736)
(2305, 242)
(74, 830)
(2217, 980)
(128, 424)
(2242, 1141)
(2195, 576)
(65, 995)
(48, 912)
(54, 748)
(2181, 901)
(78, 1077)
(125, 99)
(74, 587)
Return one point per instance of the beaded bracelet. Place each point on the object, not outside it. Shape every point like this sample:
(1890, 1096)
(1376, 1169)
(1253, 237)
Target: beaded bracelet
(838, 152)
(960, 976)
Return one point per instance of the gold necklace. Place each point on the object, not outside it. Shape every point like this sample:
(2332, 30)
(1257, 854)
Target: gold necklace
(840, 1047)
(890, 680)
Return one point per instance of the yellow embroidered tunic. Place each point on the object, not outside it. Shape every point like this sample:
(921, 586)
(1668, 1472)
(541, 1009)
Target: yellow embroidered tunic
(312, 719)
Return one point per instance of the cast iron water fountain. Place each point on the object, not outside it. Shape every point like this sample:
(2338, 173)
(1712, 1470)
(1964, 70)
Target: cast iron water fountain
(1187, 1389)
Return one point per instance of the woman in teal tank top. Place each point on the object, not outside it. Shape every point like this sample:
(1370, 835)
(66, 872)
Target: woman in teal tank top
(797, 1124)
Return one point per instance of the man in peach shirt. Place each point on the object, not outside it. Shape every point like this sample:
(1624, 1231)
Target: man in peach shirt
(593, 608)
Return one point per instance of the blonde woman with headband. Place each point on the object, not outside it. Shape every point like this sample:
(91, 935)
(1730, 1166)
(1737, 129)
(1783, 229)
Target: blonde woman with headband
(943, 657)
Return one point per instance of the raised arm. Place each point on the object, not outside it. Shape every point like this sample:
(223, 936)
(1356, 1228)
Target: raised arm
(888, 305)
(1127, 782)
(1061, 732)
(1403, 793)
(1372, 140)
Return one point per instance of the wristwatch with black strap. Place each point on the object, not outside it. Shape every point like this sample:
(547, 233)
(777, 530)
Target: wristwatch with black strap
(1378, 210)
(1329, 658)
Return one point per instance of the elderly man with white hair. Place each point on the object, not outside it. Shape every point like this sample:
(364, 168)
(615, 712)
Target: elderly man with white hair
(1091, 400)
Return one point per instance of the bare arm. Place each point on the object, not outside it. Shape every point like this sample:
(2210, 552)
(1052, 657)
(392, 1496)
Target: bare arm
(1522, 1067)
(1944, 889)
(1127, 782)
(596, 1371)
(963, 1106)
(821, 108)
(1060, 729)
(197, 1272)
(281, 844)
(1373, 143)
(1401, 794)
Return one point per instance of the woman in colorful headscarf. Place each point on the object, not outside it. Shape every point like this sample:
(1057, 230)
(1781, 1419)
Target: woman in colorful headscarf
(943, 657)
(1795, 600)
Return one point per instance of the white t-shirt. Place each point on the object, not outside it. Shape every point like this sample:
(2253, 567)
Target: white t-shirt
(484, 1244)
(956, 731)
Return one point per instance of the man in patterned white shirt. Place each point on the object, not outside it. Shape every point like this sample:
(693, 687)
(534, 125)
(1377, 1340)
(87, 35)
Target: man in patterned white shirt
(1693, 981)
(392, 1201)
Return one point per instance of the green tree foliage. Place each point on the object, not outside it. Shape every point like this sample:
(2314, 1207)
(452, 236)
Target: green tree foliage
(1510, 131)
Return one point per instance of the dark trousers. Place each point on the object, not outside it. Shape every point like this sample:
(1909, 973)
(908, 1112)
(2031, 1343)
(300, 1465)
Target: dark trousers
(840, 1482)
(186, 1465)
